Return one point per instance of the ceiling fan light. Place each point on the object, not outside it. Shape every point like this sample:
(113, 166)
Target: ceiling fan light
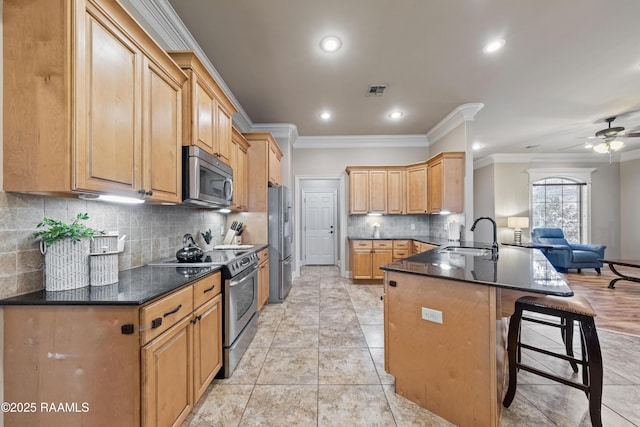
(601, 148)
(616, 145)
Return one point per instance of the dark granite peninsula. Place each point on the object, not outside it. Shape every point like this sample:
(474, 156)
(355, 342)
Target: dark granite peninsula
(445, 325)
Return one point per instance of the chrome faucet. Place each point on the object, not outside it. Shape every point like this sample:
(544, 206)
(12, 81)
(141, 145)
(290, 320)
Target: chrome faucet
(494, 245)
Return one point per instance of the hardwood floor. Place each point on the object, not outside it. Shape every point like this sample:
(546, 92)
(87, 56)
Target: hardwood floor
(618, 309)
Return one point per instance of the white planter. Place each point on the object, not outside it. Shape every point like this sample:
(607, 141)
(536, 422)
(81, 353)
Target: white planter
(66, 264)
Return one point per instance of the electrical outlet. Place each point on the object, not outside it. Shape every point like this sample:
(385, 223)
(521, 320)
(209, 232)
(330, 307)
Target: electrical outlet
(413, 226)
(431, 315)
(222, 230)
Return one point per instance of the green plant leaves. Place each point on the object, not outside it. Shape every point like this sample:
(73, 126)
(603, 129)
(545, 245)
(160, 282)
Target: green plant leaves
(54, 230)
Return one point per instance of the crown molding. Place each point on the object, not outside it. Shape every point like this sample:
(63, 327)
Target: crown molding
(164, 20)
(461, 114)
(543, 157)
(280, 131)
(362, 141)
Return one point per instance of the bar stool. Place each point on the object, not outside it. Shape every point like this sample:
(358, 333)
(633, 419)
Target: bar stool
(568, 310)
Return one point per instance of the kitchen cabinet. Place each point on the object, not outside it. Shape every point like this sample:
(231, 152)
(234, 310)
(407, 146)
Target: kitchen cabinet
(417, 188)
(401, 249)
(97, 108)
(151, 362)
(446, 182)
(367, 190)
(264, 160)
(239, 162)
(263, 277)
(207, 110)
(419, 247)
(367, 256)
(395, 191)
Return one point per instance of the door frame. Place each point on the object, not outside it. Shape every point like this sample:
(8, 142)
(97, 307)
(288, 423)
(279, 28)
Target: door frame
(341, 213)
(303, 224)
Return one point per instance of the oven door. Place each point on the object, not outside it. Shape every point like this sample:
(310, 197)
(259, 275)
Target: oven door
(241, 302)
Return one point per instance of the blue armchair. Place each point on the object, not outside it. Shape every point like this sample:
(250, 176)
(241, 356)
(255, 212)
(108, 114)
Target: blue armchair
(564, 255)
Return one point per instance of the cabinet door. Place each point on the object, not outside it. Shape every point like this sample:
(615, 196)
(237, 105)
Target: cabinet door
(395, 192)
(263, 284)
(417, 190)
(275, 173)
(378, 191)
(359, 192)
(233, 163)
(223, 133)
(361, 262)
(109, 94)
(204, 118)
(379, 258)
(241, 183)
(167, 387)
(207, 345)
(162, 134)
(436, 187)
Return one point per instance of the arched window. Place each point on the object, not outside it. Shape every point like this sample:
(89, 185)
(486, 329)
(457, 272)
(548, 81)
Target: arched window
(558, 202)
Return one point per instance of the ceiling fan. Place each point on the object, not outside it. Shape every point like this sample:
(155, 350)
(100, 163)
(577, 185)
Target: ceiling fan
(610, 137)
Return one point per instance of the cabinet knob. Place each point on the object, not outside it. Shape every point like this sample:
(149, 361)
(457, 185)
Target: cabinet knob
(392, 283)
(145, 192)
(149, 193)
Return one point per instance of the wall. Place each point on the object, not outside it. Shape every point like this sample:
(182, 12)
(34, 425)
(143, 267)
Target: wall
(453, 141)
(484, 200)
(629, 209)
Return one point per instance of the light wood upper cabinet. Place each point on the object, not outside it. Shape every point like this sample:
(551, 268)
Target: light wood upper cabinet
(275, 168)
(207, 109)
(264, 158)
(446, 182)
(358, 191)
(395, 191)
(417, 189)
(378, 191)
(89, 107)
(239, 162)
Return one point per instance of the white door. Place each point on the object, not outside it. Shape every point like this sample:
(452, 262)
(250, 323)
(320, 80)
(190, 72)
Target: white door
(320, 228)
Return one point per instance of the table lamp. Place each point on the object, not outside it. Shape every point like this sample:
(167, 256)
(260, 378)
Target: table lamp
(518, 223)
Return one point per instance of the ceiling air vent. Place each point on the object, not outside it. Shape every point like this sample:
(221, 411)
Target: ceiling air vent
(376, 90)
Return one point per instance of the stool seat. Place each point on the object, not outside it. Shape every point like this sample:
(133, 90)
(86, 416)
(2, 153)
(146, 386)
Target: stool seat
(568, 311)
(574, 304)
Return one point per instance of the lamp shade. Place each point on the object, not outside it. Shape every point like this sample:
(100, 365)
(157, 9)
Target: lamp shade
(518, 222)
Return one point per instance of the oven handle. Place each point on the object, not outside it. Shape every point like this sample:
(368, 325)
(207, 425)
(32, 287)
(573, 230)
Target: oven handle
(245, 276)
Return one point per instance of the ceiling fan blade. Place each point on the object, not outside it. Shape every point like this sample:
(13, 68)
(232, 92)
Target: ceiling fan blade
(631, 135)
(572, 146)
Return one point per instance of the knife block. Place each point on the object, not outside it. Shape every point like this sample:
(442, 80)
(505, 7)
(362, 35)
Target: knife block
(237, 240)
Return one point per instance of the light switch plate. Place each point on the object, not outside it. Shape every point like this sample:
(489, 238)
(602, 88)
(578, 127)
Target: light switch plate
(431, 315)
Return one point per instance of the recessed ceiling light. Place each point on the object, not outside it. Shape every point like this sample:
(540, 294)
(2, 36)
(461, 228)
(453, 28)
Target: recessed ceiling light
(325, 115)
(493, 46)
(330, 44)
(476, 146)
(395, 115)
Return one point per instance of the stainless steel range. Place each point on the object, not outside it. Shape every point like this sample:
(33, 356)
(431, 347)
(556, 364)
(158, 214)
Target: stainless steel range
(240, 295)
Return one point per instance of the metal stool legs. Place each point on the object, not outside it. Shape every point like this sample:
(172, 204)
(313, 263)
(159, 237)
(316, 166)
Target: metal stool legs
(591, 360)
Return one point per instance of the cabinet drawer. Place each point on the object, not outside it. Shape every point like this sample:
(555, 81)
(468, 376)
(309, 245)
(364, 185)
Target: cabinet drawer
(263, 256)
(362, 244)
(382, 244)
(400, 253)
(159, 316)
(401, 244)
(206, 288)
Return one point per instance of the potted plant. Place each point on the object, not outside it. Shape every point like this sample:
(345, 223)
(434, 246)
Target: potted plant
(66, 250)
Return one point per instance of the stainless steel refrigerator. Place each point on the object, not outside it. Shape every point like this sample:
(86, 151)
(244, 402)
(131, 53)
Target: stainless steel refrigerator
(280, 242)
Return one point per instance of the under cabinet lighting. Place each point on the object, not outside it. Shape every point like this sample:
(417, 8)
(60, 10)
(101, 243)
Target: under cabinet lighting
(111, 198)
(374, 214)
(224, 210)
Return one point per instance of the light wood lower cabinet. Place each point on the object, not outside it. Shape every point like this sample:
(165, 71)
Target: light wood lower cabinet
(127, 365)
(263, 278)
(167, 389)
(368, 256)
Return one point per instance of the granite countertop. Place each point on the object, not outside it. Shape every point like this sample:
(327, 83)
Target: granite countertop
(516, 268)
(135, 287)
(439, 241)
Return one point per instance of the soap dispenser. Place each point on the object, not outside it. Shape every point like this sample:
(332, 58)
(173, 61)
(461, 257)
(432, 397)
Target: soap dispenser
(376, 231)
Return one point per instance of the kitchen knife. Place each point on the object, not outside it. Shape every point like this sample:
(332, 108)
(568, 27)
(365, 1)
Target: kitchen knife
(238, 227)
(239, 230)
(233, 225)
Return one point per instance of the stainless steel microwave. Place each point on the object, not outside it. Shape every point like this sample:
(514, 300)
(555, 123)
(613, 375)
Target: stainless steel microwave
(206, 181)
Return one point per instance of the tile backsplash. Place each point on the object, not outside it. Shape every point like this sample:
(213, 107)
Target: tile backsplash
(153, 232)
(400, 225)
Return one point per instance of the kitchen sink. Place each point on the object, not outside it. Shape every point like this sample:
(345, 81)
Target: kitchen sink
(465, 250)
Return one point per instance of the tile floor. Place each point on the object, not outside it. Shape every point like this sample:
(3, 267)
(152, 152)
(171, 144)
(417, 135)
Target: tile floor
(317, 360)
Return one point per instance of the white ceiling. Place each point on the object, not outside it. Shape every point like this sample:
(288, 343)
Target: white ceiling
(566, 65)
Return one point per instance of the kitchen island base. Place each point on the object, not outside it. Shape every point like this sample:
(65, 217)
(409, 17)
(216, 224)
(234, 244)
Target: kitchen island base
(456, 368)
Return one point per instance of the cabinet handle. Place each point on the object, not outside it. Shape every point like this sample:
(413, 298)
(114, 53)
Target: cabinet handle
(156, 323)
(142, 191)
(149, 193)
(210, 289)
(393, 283)
(175, 310)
